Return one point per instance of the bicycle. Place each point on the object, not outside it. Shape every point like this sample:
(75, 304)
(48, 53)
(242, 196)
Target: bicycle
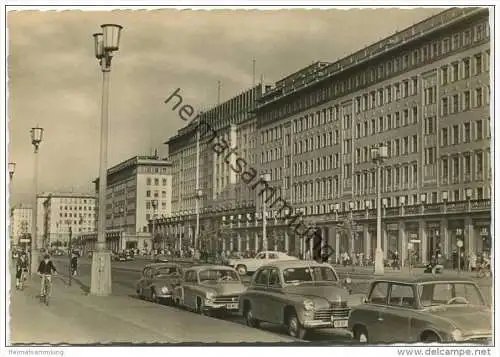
(47, 288)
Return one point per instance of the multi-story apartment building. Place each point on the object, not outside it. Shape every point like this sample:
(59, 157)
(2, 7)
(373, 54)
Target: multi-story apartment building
(231, 125)
(134, 187)
(423, 93)
(58, 212)
(20, 224)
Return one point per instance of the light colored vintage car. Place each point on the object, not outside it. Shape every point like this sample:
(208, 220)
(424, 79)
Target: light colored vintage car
(250, 265)
(158, 282)
(207, 289)
(301, 295)
(422, 310)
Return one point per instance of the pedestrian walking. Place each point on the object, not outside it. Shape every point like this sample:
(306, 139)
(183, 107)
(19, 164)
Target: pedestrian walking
(74, 264)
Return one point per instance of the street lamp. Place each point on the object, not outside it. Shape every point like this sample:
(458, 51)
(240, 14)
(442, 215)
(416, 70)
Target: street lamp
(154, 204)
(379, 154)
(265, 177)
(36, 140)
(70, 236)
(12, 169)
(106, 43)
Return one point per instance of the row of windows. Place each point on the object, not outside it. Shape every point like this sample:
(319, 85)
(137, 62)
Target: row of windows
(465, 101)
(385, 123)
(149, 181)
(457, 134)
(77, 215)
(163, 204)
(316, 165)
(76, 200)
(77, 208)
(427, 52)
(464, 164)
(156, 194)
(397, 147)
(382, 96)
(460, 70)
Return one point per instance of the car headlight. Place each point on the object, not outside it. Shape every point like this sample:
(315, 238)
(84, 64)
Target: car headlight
(348, 280)
(164, 290)
(308, 305)
(210, 296)
(457, 335)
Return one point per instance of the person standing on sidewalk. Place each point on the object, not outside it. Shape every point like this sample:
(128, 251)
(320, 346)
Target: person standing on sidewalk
(21, 269)
(74, 264)
(45, 269)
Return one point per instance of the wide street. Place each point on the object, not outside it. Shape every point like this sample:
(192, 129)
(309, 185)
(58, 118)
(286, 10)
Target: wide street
(124, 314)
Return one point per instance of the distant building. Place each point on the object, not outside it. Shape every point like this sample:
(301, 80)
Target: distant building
(58, 211)
(132, 187)
(20, 224)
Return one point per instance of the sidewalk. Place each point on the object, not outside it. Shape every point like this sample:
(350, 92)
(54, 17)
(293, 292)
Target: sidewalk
(76, 318)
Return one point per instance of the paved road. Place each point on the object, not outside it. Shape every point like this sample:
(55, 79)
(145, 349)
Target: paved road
(126, 274)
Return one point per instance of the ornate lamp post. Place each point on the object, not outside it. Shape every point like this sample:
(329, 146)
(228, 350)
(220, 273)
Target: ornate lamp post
(379, 154)
(266, 177)
(106, 43)
(36, 140)
(199, 194)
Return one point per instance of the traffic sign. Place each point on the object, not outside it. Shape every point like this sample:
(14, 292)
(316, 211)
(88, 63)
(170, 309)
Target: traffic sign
(460, 243)
(24, 240)
(415, 241)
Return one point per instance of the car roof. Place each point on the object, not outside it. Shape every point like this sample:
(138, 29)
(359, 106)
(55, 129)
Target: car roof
(284, 264)
(162, 265)
(199, 268)
(423, 279)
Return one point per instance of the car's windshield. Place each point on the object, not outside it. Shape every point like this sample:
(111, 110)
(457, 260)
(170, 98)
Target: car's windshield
(166, 271)
(305, 274)
(435, 294)
(218, 275)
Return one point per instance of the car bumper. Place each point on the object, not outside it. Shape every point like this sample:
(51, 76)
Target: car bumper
(232, 307)
(319, 324)
(167, 296)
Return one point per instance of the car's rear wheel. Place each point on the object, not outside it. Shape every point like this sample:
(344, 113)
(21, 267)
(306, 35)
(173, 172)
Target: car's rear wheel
(428, 337)
(295, 329)
(241, 269)
(249, 318)
(360, 334)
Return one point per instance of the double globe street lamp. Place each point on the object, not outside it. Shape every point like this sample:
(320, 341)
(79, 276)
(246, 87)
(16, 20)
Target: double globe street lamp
(105, 43)
(379, 154)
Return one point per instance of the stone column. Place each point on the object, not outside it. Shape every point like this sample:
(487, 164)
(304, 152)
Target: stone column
(367, 239)
(445, 239)
(287, 242)
(247, 241)
(403, 241)
(384, 241)
(239, 242)
(256, 242)
(470, 244)
(423, 241)
(337, 246)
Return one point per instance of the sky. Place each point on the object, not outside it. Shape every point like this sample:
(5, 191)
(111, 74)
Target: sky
(54, 80)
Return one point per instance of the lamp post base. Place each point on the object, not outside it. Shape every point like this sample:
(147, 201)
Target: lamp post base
(35, 260)
(100, 280)
(379, 262)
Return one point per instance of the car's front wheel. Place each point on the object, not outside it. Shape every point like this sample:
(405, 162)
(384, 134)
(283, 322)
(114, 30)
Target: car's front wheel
(360, 334)
(249, 318)
(241, 269)
(295, 329)
(154, 297)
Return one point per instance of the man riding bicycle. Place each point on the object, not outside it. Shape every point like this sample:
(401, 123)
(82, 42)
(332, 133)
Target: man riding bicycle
(45, 270)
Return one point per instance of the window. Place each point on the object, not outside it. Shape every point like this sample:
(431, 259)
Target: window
(415, 85)
(467, 136)
(378, 295)
(467, 164)
(148, 181)
(466, 102)
(478, 59)
(479, 129)
(274, 276)
(467, 37)
(415, 143)
(455, 135)
(444, 75)
(441, 293)
(401, 295)
(429, 125)
(148, 193)
(455, 72)
(262, 277)
(479, 163)
(444, 106)
(454, 103)
(445, 168)
(466, 64)
(446, 45)
(479, 97)
(444, 137)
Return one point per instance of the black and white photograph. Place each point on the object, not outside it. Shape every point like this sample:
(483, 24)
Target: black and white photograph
(238, 176)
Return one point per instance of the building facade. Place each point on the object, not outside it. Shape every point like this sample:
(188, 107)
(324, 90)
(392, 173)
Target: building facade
(59, 213)
(229, 127)
(423, 93)
(138, 190)
(20, 224)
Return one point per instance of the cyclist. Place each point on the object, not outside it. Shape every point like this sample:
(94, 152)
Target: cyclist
(21, 269)
(45, 270)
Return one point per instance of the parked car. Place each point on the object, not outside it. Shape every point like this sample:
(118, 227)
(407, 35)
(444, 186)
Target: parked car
(250, 265)
(118, 257)
(426, 309)
(301, 295)
(161, 258)
(208, 289)
(158, 282)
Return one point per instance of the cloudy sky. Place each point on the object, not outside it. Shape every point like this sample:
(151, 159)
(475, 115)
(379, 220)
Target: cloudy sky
(55, 81)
